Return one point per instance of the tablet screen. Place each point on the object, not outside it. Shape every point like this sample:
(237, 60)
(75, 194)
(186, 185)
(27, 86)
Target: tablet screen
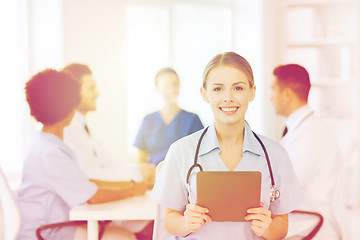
(227, 194)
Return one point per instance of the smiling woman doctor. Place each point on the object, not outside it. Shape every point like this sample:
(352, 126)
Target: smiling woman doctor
(228, 145)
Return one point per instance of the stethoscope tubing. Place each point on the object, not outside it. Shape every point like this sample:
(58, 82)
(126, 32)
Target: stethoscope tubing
(196, 164)
(267, 159)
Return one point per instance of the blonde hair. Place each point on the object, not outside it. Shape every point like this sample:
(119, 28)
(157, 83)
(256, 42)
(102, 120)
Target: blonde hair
(230, 59)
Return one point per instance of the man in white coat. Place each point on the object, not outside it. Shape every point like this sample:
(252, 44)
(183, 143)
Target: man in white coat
(91, 157)
(312, 146)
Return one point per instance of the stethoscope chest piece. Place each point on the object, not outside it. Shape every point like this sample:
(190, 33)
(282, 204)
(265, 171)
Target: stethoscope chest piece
(274, 194)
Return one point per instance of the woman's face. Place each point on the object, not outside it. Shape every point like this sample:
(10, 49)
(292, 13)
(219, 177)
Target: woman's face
(168, 87)
(228, 92)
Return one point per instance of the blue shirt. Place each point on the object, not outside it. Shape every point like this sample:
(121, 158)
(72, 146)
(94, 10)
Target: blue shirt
(52, 183)
(170, 189)
(155, 137)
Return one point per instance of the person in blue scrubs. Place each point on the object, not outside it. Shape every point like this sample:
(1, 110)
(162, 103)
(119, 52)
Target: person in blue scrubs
(52, 182)
(160, 129)
(228, 145)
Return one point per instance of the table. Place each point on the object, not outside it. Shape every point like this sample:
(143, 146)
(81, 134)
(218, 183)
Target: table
(132, 208)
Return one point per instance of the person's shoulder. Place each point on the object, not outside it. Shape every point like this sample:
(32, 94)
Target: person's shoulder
(151, 118)
(182, 151)
(151, 114)
(44, 141)
(188, 142)
(274, 148)
(42, 146)
(188, 114)
(317, 129)
(269, 142)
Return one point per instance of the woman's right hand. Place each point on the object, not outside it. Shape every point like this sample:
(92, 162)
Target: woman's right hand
(195, 217)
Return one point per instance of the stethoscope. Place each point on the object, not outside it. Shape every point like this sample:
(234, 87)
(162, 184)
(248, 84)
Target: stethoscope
(274, 193)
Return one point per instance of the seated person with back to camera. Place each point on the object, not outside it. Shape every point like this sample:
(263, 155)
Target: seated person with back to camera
(52, 182)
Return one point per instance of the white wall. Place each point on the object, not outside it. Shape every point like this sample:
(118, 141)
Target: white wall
(11, 92)
(95, 34)
(274, 124)
(31, 41)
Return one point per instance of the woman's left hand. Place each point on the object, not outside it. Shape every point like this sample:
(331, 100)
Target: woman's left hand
(260, 219)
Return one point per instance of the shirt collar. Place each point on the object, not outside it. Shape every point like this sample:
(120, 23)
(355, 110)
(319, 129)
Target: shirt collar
(79, 118)
(211, 142)
(297, 117)
(251, 144)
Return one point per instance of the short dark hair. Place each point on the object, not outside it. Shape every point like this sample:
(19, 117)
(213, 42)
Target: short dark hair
(294, 77)
(230, 59)
(164, 71)
(78, 70)
(52, 95)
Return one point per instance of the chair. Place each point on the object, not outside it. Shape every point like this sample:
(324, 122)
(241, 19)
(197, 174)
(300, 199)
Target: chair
(160, 232)
(102, 225)
(13, 218)
(308, 224)
(11, 212)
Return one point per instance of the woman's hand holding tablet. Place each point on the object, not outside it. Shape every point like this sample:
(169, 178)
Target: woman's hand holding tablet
(195, 217)
(260, 218)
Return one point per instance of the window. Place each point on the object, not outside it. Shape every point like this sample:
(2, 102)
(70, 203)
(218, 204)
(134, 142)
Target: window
(33, 42)
(183, 35)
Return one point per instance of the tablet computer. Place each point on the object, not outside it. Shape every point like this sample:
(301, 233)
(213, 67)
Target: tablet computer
(228, 195)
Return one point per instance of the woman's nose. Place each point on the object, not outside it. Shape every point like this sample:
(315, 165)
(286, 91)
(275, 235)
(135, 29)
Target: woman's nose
(228, 96)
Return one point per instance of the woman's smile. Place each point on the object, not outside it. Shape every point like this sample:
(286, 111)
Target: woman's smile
(229, 110)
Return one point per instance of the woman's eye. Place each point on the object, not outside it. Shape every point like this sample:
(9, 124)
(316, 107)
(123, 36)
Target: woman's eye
(217, 89)
(239, 88)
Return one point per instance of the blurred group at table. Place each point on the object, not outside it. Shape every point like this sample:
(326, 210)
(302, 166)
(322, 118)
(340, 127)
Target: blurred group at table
(66, 166)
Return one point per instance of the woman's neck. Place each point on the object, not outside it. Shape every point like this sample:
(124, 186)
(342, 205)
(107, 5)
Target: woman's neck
(54, 129)
(170, 108)
(230, 133)
(169, 111)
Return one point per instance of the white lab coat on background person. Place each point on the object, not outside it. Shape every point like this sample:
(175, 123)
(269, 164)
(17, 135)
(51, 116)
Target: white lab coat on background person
(97, 164)
(92, 158)
(315, 155)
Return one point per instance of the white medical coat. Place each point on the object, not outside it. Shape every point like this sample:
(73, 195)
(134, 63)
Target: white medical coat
(93, 160)
(315, 155)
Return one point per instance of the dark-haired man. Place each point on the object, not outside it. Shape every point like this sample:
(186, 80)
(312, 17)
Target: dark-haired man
(92, 159)
(312, 145)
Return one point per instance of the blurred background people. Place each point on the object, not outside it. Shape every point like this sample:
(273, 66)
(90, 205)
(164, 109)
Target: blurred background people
(129, 40)
(92, 158)
(312, 146)
(160, 129)
(52, 182)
